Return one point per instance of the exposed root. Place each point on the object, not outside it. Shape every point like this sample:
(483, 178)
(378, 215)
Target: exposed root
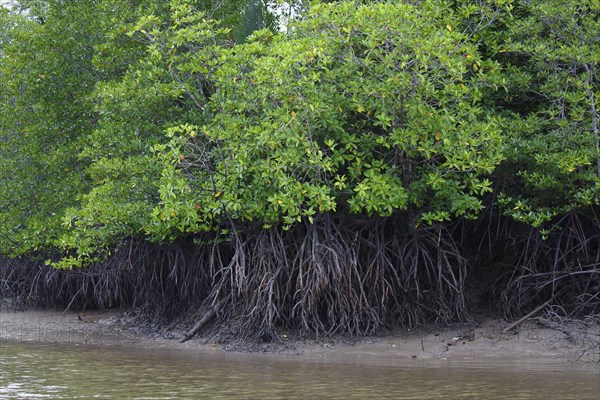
(317, 279)
(335, 276)
(583, 334)
(331, 278)
(530, 269)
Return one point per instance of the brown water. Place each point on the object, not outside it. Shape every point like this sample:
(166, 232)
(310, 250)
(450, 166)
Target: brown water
(71, 371)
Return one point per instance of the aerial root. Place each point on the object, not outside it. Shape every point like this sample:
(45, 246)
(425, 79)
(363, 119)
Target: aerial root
(334, 276)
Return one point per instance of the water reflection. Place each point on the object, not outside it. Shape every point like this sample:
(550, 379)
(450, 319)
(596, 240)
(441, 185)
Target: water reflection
(59, 371)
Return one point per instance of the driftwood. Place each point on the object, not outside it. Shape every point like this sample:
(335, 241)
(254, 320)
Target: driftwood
(210, 314)
(531, 314)
(534, 312)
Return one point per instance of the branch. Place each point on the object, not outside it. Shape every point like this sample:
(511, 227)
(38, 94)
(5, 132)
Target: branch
(206, 318)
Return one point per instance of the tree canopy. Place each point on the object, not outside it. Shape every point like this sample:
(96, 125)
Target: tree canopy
(210, 122)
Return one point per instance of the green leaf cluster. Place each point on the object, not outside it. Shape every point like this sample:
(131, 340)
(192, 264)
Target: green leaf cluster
(86, 94)
(550, 54)
(162, 119)
(368, 110)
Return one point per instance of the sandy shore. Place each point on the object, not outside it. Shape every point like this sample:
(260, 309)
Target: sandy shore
(484, 342)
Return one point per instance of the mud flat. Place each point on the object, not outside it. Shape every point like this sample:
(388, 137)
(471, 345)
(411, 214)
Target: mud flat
(486, 342)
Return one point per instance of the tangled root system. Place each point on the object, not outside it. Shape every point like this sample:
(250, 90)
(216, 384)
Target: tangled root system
(327, 278)
(529, 269)
(333, 276)
(318, 279)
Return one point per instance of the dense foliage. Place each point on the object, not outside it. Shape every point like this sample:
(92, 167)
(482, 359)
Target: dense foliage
(365, 131)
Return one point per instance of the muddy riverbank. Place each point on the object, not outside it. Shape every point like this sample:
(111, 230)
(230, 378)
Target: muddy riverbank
(482, 342)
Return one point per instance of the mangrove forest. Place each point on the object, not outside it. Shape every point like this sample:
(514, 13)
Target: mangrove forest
(323, 167)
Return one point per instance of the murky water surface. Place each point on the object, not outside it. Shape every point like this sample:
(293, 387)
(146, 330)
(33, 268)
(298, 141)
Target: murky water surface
(70, 371)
